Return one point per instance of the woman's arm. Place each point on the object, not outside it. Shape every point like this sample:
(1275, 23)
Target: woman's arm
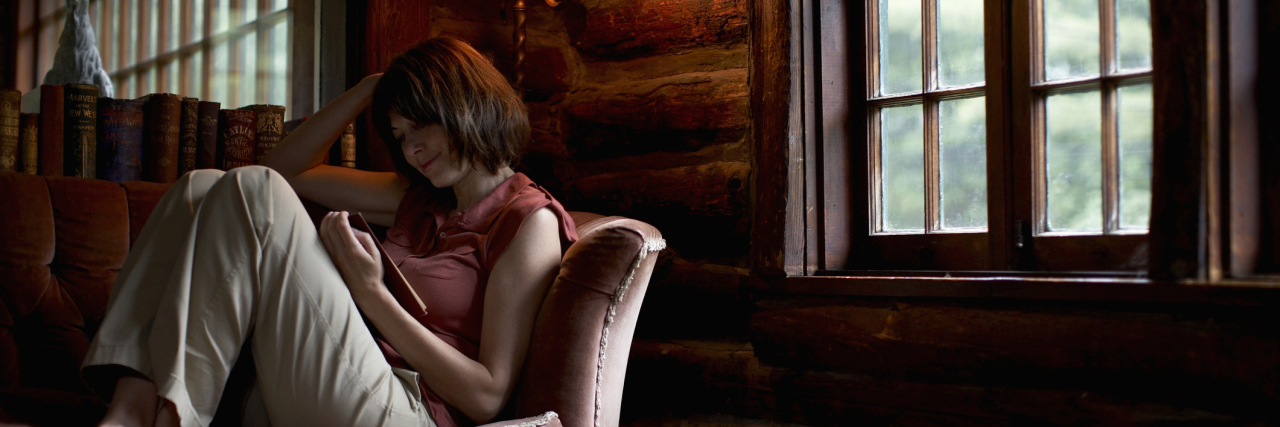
(516, 287)
(298, 157)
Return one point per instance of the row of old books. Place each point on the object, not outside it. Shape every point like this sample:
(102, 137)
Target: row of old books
(155, 138)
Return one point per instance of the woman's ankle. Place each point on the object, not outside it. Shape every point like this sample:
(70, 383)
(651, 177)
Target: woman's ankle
(132, 404)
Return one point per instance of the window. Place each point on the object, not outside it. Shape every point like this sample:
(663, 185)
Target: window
(236, 52)
(1070, 147)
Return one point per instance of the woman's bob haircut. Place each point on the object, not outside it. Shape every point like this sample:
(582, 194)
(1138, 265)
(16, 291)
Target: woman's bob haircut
(445, 81)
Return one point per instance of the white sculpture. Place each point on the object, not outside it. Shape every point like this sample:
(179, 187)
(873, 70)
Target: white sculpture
(77, 59)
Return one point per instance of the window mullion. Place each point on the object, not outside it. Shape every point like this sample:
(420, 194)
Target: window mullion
(930, 105)
(1110, 160)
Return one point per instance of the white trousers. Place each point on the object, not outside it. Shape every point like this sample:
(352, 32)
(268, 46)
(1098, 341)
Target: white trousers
(230, 256)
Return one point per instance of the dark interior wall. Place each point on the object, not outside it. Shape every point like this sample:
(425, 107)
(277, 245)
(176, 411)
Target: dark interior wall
(642, 108)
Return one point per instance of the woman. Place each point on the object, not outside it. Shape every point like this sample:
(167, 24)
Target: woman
(232, 258)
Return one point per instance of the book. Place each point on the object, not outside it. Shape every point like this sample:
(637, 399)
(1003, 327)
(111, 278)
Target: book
(207, 135)
(80, 130)
(270, 120)
(188, 135)
(10, 111)
(120, 136)
(237, 134)
(29, 143)
(349, 146)
(391, 275)
(162, 114)
(51, 118)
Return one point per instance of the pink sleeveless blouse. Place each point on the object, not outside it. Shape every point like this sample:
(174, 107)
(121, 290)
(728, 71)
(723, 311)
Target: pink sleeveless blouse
(447, 259)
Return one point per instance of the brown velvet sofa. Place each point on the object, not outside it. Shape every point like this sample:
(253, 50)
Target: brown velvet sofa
(62, 241)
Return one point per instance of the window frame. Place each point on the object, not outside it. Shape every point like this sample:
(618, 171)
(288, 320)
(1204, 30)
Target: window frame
(801, 137)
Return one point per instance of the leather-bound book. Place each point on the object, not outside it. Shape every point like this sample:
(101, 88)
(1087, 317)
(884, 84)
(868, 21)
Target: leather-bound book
(120, 139)
(237, 134)
(80, 130)
(188, 133)
(51, 118)
(349, 146)
(10, 111)
(207, 135)
(162, 116)
(270, 129)
(29, 143)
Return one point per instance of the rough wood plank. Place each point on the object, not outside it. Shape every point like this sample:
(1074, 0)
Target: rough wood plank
(684, 378)
(1269, 136)
(1181, 83)
(1223, 359)
(684, 112)
(628, 28)
(390, 27)
(777, 228)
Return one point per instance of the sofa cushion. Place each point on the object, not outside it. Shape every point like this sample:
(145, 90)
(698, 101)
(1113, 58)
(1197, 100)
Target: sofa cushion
(61, 246)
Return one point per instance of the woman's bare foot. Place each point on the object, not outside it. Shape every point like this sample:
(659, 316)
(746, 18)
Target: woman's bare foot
(133, 404)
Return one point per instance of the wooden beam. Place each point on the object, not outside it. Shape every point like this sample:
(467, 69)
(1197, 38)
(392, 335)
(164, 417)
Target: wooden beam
(1183, 33)
(778, 228)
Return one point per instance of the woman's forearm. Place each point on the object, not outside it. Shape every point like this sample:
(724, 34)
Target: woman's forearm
(464, 383)
(305, 146)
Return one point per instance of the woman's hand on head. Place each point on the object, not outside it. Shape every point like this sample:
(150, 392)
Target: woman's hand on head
(354, 253)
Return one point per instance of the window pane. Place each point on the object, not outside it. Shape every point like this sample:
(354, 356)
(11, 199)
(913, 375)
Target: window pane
(196, 89)
(1135, 155)
(962, 152)
(279, 65)
(153, 33)
(279, 5)
(175, 22)
(174, 78)
(197, 21)
(1133, 34)
(219, 73)
(900, 47)
(1071, 42)
(131, 46)
(221, 16)
(250, 11)
(960, 43)
(1074, 161)
(148, 82)
(902, 168)
(249, 70)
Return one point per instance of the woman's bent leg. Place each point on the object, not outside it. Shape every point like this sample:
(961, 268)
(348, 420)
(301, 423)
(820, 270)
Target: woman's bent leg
(256, 267)
(144, 278)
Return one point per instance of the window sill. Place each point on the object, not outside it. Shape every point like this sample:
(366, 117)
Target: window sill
(1263, 291)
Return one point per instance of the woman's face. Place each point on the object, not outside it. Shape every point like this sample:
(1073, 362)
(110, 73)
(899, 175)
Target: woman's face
(426, 148)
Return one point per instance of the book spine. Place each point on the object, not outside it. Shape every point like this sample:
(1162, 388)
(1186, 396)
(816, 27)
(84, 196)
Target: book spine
(349, 146)
(162, 115)
(189, 132)
(10, 111)
(29, 143)
(120, 139)
(80, 130)
(237, 131)
(207, 134)
(51, 118)
(270, 129)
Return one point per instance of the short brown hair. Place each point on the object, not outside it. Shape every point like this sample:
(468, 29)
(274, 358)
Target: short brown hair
(447, 82)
